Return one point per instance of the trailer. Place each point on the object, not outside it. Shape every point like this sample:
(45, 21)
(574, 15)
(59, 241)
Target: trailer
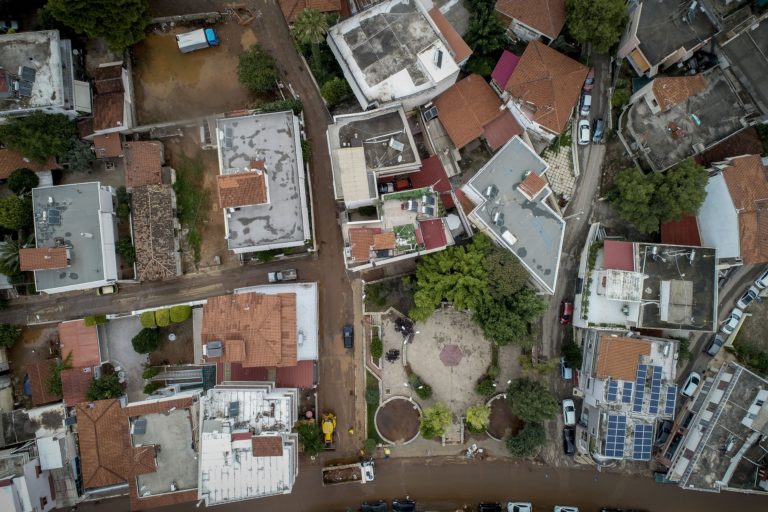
(361, 472)
(197, 40)
(283, 275)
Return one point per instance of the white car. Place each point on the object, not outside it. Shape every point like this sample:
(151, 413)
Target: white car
(691, 385)
(561, 508)
(583, 138)
(748, 297)
(519, 507)
(762, 281)
(569, 413)
(586, 105)
(732, 321)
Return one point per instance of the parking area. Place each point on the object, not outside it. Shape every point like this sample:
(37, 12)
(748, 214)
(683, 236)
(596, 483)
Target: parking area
(116, 336)
(754, 329)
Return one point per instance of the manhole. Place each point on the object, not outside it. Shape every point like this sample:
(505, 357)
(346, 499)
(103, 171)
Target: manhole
(388, 391)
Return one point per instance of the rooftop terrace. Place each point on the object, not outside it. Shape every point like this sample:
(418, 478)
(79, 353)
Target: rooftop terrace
(666, 26)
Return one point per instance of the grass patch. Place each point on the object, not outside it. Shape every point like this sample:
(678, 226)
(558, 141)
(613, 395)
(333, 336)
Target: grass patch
(192, 199)
(371, 381)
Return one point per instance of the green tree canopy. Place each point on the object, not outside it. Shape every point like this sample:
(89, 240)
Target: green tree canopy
(16, 212)
(528, 442)
(485, 35)
(22, 181)
(54, 379)
(335, 91)
(310, 27)
(600, 22)
(9, 254)
(309, 437)
(146, 341)
(125, 249)
(572, 354)
(530, 401)
(478, 417)
(434, 421)
(79, 156)
(257, 70)
(38, 135)
(104, 388)
(507, 319)
(652, 199)
(9, 335)
(120, 22)
(505, 273)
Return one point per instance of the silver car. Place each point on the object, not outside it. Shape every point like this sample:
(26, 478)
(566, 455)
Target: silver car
(732, 321)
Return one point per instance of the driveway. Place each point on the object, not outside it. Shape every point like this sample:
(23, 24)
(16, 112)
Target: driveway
(118, 334)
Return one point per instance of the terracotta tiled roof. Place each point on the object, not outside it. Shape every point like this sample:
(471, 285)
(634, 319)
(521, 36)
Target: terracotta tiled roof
(255, 329)
(499, 131)
(459, 49)
(81, 341)
(108, 79)
(267, 446)
(544, 16)
(74, 385)
(300, 376)
(361, 241)
(107, 145)
(41, 258)
(11, 160)
(669, 91)
(292, 8)
(142, 409)
(143, 163)
(747, 181)
(684, 231)
(39, 372)
(466, 107)
(532, 185)
(384, 241)
(242, 189)
(465, 202)
(108, 111)
(154, 232)
(547, 85)
(618, 357)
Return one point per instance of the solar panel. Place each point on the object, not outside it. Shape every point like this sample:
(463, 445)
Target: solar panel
(615, 436)
(25, 89)
(53, 216)
(28, 73)
(234, 409)
(642, 439)
(637, 405)
(140, 427)
(626, 394)
(613, 390)
(669, 403)
(653, 407)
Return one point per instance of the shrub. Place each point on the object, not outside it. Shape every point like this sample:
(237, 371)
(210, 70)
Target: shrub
(92, 320)
(146, 341)
(147, 320)
(478, 417)
(22, 180)
(370, 445)
(335, 91)
(377, 347)
(150, 372)
(163, 317)
(493, 371)
(372, 395)
(151, 387)
(123, 210)
(180, 314)
(124, 248)
(309, 437)
(257, 71)
(106, 387)
(282, 105)
(9, 335)
(528, 441)
(435, 420)
(422, 389)
(485, 386)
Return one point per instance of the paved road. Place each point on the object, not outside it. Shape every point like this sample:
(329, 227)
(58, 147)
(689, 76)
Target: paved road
(440, 485)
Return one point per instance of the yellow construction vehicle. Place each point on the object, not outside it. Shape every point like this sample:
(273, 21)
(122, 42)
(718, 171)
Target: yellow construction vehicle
(329, 428)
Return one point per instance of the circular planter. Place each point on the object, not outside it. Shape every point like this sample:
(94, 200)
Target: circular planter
(502, 423)
(397, 420)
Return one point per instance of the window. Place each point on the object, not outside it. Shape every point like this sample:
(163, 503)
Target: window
(43, 501)
(38, 471)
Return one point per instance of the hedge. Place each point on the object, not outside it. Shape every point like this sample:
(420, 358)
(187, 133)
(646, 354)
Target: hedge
(180, 314)
(148, 320)
(163, 317)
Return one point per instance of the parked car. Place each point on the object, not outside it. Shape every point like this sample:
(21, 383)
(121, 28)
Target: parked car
(586, 105)
(663, 433)
(762, 281)
(589, 83)
(691, 385)
(583, 139)
(565, 372)
(396, 185)
(349, 336)
(404, 505)
(598, 130)
(566, 508)
(566, 312)
(569, 413)
(110, 289)
(374, 506)
(732, 321)
(713, 347)
(748, 297)
(489, 507)
(569, 440)
(519, 507)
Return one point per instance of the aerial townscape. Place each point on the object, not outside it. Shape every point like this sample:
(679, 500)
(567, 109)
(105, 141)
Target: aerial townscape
(384, 255)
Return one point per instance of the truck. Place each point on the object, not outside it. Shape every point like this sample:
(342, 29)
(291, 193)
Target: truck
(197, 40)
(283, 275)
(329, 427)
(361, 472)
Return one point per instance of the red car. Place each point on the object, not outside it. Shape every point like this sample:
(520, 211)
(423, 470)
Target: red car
(590, 81)
(566, 312)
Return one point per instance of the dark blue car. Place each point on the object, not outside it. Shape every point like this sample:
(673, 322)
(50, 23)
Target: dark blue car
(349, 336)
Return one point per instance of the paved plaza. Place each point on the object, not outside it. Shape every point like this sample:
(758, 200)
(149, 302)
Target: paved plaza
(560, 173)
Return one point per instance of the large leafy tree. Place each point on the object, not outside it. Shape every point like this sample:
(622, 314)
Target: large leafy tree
(39, 135)
(600, 22)
(105, 387)
(257, 71)
(310, 28)
(9, 335)
(22, 181)
(434, 421)
(528, 442)
(507, 320)
(16, 212)
(531, 401)
(682, 191)
(146, 341)
(120, 22)
(9, 254)
(505, 272)
(309, 437)
(485, 35)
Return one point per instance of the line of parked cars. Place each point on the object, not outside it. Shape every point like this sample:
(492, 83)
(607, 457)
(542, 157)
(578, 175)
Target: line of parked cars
(520, 506)
(584, 132)
(400, 505)
(734, 317)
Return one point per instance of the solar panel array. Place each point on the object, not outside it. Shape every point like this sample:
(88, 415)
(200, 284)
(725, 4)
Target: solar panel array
(613, 390)
(614, 440)
(637, 405)
(641, 442)
(653, 407)
(669, 404)
(626, 394)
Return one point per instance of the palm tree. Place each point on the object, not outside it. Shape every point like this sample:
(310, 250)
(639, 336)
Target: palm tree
(310, 27)
(9, 254)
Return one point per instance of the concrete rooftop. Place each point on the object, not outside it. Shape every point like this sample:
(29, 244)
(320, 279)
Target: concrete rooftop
(748, 55)
(275, 139)
(662, 28)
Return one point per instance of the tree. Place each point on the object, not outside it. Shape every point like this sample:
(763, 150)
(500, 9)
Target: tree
(485, 35)
(528, 442)
(485, 386)
(120, 22)
(257, 71)
(422, 389)
(682, 191)
(377, 347)
(506, 319)
(456, 275)
(146, 341)
(16, 212)
(9, 254)
(505, 273)
(309, 437)
(600, 22)
(9, 335)
(125, 249)
(632, 198)
(22, 181)
(434, 421)
(39, 135)
(530, 401)
(310, 27)
(572, 354)
(335, 91)
(478, 418)
(123, 210)
(104, 388)
(54, 379)
(79, 156)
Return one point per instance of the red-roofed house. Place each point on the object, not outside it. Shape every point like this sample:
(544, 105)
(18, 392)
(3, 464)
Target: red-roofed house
(684, 231)
(11, 160)
(112, 110)
(532, 19)
(618, 255)
(460, 50)
(432, 174)
(433, 233)
(81, 341)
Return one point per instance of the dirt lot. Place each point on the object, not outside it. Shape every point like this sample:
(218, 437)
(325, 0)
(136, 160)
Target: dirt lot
(37, 344)
(173, 86)
(753, 334)
(178, 351)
